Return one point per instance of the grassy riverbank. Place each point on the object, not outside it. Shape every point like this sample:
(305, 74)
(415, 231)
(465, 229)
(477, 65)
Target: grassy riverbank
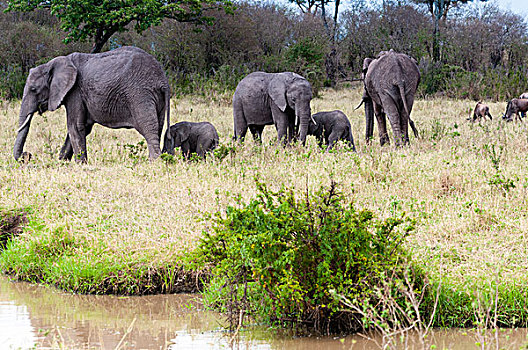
(121, 224)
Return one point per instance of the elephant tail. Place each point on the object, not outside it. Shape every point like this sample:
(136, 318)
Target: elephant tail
(401, 87)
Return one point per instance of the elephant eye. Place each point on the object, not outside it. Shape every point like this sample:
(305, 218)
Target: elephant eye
(33, 89)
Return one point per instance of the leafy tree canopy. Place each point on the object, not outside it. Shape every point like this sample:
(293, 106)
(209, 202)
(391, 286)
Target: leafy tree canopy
(98, 20)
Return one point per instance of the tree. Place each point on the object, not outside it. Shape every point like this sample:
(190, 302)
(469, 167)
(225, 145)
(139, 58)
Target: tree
(98, 20)
(311, 7)
(438, 10)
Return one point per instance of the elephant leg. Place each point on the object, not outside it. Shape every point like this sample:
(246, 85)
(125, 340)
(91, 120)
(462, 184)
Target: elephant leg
(281, 123)
(395, 119)
(147, 125)
(239, 120)
(76, 120)
(257, 130)
(332, 139)
(292, 131)
(186, 150)
(66, 152)
(382, 124)
(404, 127)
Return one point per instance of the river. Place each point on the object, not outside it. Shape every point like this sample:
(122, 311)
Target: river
(39, 317)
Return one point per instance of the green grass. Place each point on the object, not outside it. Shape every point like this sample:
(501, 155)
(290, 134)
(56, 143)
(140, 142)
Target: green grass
(124, 217)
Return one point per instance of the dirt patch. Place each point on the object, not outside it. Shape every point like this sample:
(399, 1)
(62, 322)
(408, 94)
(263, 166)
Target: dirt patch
(11, 224)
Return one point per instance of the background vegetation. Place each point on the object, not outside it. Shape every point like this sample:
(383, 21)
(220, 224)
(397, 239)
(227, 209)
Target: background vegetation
(115, 224)
(481, 52)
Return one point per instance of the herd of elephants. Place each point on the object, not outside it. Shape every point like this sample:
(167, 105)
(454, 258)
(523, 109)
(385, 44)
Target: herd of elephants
(127, 88)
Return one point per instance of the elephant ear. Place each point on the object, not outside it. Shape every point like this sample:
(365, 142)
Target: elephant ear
(277, 91)
(63, 75)
(183, 133)
(366, 63)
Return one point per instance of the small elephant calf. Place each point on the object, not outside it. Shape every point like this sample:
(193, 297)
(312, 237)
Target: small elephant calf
(333, 126)
(481, 111)
(198, 138)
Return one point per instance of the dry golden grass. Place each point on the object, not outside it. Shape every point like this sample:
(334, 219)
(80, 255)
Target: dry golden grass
(466, 227)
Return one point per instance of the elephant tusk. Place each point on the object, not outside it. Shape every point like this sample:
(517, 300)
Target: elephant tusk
(28, 119)
(313, 120)
(359, 105)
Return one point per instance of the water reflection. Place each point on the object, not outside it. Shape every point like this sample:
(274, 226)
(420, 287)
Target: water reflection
(44, 318)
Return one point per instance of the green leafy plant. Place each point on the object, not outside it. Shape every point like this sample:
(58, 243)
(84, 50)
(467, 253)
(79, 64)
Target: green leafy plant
(284, 260)
(136, 152)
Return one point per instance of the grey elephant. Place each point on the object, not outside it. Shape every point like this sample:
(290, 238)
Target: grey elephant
(390, 83)
(524, 96)
(513, 108)
(123, 88)
(198, 138)
(332, 126)
(481, 110)
(263, 99)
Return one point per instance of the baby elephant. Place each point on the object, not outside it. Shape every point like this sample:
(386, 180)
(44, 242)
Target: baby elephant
(480, 112)
(198, 138)
(333, 126)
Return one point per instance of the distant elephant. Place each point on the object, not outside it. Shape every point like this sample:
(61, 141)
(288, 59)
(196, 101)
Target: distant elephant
(390, 83)
(524, 96)
(515, 106)
(123, 88)
(198, 138)
(333, 126)
(481, 110)
(263, 99)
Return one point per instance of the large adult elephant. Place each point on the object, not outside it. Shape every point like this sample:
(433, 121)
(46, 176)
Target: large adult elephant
(390, 82)
(123, 88)
(263, 99)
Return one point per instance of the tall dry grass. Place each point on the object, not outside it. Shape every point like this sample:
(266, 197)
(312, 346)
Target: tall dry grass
(465, 183)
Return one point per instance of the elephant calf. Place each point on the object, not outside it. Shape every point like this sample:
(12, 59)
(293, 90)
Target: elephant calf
(198, 138)
(333, 126)
(515, 106)
(481, 110)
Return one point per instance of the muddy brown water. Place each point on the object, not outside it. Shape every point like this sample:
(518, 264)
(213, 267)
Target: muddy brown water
(38, 317)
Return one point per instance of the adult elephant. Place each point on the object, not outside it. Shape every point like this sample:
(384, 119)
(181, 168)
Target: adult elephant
(390, 83)
(123, 88)
(263, 99)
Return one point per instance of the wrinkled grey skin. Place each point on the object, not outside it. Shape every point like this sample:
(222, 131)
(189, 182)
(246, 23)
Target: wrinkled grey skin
(263, 99)
(332, 126)
(123, 88)
(524, 96)
(515, 106)
(198, 138)
(390, 83)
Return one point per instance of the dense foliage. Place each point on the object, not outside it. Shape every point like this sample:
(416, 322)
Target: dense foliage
(482, 51)
(286, 259)
(99, 20)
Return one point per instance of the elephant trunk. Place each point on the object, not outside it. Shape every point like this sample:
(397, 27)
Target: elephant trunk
(24, 123)
(369, 116)
(304, 115)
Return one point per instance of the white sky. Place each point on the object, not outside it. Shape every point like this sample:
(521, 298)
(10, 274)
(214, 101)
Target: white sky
(517, 6)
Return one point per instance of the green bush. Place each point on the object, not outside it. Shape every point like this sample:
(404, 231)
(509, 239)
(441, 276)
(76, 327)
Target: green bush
(286, 260)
